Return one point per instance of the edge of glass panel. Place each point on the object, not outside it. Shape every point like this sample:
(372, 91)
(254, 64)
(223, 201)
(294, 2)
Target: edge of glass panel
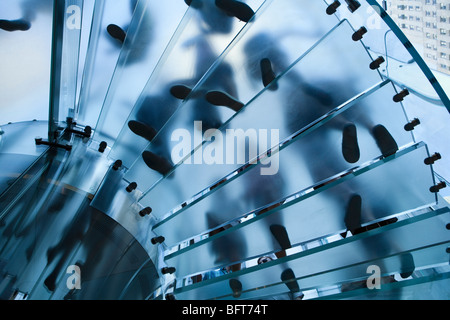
(55, 67)
(294, 256)
(292, 199)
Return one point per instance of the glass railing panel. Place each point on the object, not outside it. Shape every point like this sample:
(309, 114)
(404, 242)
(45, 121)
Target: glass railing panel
(202, 36)
(50, 221)
(299, 165)
(15, 164)
(86, 25)
(106, 255)
(236, 71)
(329, 207)
(25, 58)
(119, 200)
(405, 239)
(39, 257)
(14, 189)
(101, 56)
(137, 280)
(110, 185)
(318, 74)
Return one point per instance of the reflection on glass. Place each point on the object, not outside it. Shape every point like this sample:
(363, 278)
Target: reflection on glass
(101, 56)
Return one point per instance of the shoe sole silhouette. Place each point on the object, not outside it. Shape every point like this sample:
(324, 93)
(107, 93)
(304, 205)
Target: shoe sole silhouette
(180, 91)
(236, 287)
(15, 25)
(157, 163)
(219, 98)
(353, 213)
(288, 277)
(407, 265)
(141, 129)
(384, 140)
(350, 148)
(116, 32)
(237, 9)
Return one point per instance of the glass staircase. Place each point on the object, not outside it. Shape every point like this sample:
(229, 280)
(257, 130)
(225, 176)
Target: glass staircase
(219, 150)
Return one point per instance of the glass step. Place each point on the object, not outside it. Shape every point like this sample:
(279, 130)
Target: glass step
(299, 165)
(416, 242)
(282, 112)
(428, 287)
(102, 54)
(301, 216)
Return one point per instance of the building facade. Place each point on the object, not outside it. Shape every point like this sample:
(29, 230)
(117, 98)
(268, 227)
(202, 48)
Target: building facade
(427, 24)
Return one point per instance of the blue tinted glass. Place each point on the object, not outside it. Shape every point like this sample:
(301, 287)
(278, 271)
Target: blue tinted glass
(390, 249)
(25, 59)
(377, 197)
